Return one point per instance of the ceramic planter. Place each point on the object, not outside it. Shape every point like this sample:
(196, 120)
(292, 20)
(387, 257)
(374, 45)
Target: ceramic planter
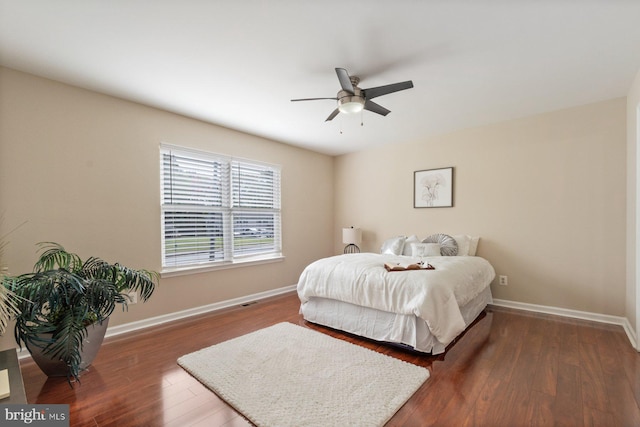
(90, 346)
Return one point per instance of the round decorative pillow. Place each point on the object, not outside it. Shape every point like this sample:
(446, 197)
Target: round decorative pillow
(448, 245)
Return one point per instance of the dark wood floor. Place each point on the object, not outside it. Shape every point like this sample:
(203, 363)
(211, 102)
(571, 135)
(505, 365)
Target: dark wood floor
(510, 368)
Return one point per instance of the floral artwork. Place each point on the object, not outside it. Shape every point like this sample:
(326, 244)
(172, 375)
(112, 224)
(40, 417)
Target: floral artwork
(433, 188)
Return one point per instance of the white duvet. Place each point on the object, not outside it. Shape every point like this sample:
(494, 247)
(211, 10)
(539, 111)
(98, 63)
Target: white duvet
(433, 295)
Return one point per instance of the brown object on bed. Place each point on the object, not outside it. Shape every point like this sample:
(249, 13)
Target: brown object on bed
(399, 267)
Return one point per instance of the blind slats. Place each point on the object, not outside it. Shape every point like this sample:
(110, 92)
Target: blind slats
(255, 186)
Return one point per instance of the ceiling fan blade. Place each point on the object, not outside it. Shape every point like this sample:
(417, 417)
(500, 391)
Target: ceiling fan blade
(332, 115)
(383, 90)
(311, 99)
(376, 108)
(345, 80)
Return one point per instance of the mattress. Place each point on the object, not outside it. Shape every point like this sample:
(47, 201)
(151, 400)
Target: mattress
(383, 326)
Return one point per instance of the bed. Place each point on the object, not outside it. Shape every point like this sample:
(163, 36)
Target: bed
(424, 310)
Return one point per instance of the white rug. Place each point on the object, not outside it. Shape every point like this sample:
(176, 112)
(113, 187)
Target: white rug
(288, 375)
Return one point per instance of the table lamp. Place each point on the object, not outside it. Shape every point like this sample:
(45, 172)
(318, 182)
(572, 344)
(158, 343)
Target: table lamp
(351, 237)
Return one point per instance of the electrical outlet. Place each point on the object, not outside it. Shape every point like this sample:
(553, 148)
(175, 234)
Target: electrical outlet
(502, 280)
(133, 297)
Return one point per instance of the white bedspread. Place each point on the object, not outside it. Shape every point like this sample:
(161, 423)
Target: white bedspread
(433, 295)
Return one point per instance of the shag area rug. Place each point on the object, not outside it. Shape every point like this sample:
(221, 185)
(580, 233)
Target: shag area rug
(288, 375)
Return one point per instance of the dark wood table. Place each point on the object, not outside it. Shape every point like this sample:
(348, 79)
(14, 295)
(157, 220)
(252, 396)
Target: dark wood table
(9, 360)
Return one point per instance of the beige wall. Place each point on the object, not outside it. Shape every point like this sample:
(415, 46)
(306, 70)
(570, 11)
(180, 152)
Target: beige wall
(545, 193)
(82, 169)
(633, 299)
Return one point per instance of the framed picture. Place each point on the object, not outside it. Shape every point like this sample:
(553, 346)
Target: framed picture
(433, 188)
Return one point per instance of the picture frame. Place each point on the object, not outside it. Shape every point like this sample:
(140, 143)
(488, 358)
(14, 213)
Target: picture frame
(433, 188)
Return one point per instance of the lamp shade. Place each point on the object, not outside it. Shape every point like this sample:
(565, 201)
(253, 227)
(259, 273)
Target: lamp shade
(351, 236)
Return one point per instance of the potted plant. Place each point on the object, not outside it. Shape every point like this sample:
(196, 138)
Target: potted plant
(66, 301)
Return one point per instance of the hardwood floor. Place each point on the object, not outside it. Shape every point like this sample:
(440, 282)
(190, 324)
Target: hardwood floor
(510, 368)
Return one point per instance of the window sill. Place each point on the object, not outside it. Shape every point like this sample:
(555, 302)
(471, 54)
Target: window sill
(172, 272)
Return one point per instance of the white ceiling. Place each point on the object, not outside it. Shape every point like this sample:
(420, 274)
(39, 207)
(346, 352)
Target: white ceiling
(239, 63)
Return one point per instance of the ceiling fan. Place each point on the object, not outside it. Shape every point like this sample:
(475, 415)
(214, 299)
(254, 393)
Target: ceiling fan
(352, 99)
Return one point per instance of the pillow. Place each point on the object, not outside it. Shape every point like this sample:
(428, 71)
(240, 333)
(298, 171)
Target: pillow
(407, 244)
(393, 246)
(463, 242)
(473, 245)
(448, 245)
(425, 249)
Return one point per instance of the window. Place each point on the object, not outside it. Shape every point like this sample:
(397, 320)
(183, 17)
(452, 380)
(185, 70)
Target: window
(217, 210)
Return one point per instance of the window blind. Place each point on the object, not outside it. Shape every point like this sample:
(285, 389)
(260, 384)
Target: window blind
(216, 209)
(256, 209)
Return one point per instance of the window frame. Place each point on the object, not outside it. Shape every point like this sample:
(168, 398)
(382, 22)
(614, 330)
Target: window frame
(265, 250)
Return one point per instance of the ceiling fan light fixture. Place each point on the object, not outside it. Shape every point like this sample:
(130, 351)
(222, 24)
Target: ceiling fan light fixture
(351, 104)
(351, 107)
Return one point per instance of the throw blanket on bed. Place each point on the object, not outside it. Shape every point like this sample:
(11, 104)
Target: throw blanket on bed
(433, 295)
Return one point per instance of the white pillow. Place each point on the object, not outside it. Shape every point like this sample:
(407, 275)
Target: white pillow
(407, 244)
(393, 246)
(463, 242)
(473, 245)
(425, 249)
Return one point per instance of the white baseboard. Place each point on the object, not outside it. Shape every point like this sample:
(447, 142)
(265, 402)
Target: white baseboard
(575, 314)
(165, 318)
(631, 334)
(159, 320)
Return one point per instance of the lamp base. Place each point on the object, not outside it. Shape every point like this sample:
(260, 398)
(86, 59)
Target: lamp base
(351, 249)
